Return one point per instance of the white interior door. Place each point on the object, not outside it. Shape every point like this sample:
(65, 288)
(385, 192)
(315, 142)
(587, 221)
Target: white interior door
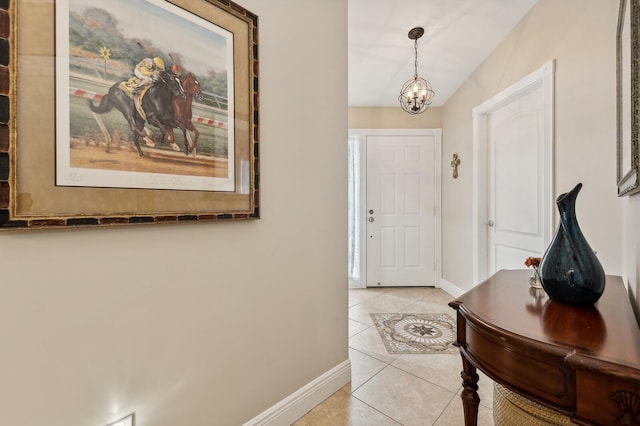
(401, 210)
(513, 182)
(516, 136)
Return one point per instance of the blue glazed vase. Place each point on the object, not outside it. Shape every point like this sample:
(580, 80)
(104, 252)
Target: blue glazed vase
(570, 271)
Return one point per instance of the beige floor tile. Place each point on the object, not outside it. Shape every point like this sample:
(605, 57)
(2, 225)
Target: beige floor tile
(356, 327)
(409, 293)
(360, 313)
(440, 369)
(453, 415)
(360, 295)
(342, 409)
(387, 302)
(363, 367)
(369, 342)
(415, 389)
(405, 398)
(437, 295)
(383, 303)
(485, 390)
(428, 307)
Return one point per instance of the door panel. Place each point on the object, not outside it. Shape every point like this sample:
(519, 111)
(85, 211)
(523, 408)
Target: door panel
(508, 256)
(515, 174)
(388, 247)
(401, 218)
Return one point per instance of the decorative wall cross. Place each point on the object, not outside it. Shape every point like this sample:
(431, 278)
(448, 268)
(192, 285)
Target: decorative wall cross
(454, 164)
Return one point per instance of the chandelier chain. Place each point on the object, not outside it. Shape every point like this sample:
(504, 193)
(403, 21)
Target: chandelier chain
(415, 63)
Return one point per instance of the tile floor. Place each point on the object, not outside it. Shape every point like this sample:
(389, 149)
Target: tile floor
(391, 389)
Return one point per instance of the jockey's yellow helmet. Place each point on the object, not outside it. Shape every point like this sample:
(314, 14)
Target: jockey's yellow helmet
(159, 62)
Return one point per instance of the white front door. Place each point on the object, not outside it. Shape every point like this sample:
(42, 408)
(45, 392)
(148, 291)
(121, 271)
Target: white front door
(513, 153)
(401, 210)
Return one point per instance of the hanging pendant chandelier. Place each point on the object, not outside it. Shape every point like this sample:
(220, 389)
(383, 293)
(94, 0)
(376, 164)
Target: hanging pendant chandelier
(416, 94)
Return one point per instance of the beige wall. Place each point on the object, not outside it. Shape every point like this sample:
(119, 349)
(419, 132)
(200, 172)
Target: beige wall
(580, 36)
(393, 118)
(207, 323)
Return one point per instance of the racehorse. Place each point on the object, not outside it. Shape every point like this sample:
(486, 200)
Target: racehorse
(183, 110)
(157, 105)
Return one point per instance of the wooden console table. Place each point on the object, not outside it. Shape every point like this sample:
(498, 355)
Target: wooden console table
(584, 362)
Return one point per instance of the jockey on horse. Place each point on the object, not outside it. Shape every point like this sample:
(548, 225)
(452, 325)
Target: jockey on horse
(151, 102)
(147, 71)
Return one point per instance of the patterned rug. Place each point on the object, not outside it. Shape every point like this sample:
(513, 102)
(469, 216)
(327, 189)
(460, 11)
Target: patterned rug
(416, 333)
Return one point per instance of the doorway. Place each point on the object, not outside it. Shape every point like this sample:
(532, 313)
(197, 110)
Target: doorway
(394, 222)
(512, 198)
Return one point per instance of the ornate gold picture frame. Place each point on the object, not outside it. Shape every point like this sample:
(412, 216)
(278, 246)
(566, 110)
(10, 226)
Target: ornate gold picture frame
(69, 77)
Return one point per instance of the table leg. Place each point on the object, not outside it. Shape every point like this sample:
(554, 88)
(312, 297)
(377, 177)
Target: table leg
(470, 398)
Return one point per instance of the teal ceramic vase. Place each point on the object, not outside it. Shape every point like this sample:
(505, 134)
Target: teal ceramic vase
(570, 272)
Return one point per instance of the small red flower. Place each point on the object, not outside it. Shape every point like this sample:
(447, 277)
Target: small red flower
(532, 261)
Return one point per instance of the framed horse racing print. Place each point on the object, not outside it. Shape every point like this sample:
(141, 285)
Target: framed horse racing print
(129, 111)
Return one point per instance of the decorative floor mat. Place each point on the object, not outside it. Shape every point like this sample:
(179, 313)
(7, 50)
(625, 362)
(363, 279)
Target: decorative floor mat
(416, 333)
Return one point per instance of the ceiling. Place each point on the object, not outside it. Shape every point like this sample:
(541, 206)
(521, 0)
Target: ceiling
(459, 35)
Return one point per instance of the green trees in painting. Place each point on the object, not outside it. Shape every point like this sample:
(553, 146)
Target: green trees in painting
(95, 28)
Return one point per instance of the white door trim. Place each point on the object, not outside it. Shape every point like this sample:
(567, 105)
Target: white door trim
(361, 135)
(544, 76)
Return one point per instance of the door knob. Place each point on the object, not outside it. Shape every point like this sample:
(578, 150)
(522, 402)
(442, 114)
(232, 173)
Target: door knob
(371, 219)
(490, 224)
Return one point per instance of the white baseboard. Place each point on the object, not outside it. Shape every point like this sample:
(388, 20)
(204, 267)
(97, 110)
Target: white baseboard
(450, 288)
(304, 399)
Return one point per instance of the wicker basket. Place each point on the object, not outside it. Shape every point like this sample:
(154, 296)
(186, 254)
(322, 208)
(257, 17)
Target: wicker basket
(511, 409)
